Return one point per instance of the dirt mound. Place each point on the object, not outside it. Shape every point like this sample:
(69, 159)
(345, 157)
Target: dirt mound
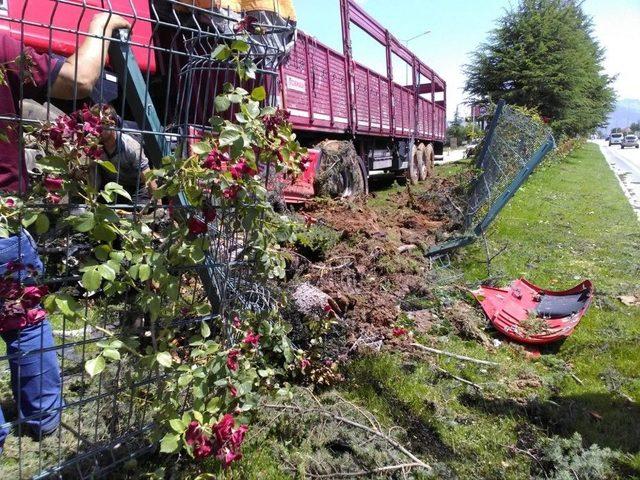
(350, 217)
(379, 259)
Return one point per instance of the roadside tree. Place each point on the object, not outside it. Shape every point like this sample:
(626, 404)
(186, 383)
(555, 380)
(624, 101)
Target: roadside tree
(543, 55)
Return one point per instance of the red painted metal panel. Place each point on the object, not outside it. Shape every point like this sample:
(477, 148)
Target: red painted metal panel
(314, 87)
(327, 92)
(45, 21)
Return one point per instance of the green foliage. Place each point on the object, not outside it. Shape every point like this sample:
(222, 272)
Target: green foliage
(212, 371)
(543, 55)
(567, 459)
(314, 242)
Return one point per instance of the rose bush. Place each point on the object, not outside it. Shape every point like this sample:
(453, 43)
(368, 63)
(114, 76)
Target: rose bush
(212, 361)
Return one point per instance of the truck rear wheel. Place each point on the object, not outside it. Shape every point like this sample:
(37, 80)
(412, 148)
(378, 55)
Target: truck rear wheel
(413, 172)
(428, 157)
(341, 172)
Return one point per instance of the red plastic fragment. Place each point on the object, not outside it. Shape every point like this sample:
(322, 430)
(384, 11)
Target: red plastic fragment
(509, 309)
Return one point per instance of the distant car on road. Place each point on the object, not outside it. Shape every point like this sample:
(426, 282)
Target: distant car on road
(630, 141)
(616, 139)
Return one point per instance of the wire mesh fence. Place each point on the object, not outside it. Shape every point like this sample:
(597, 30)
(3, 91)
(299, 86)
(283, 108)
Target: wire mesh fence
(61, 99)
(514, 145)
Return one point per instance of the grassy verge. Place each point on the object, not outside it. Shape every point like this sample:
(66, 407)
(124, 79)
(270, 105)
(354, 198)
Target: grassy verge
(571, 221)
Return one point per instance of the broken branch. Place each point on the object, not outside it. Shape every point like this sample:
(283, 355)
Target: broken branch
(455, 355)
(365, 473)
(460, 379)
(338, 418)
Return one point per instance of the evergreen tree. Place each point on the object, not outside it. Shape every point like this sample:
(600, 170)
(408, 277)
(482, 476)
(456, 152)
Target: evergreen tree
(543, 55)
(457, 130)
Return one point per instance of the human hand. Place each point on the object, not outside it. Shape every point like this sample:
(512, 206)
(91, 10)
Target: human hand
(104, 23)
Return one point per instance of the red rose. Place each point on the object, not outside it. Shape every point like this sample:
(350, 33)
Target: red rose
(232, 192)
(193, 433)
(214, 160)
(203, 450)
(32, 295)
(251, 339)
(232, 359)
(209, 214)
(399, 332)
(36, 315)
(228, 440)
(9, 289)
(227, 457)
(223, 429)
(53, 184)
(196, 226)
(304, 363)
(237, 169)
(52, 198)
(233, 390)
(242, 168)
(237, 437)
(202, 445)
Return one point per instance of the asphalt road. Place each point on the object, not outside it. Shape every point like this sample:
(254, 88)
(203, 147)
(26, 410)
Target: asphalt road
(626, 165)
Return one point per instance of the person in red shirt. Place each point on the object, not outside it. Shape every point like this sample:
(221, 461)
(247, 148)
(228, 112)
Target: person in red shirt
(35, 374)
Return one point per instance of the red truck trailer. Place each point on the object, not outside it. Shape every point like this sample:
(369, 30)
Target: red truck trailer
(330, 95)
(387, 126)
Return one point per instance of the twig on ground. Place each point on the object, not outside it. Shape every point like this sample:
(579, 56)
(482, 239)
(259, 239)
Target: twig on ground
(341, 419)
(453, 204)
(575, 377)
(363, 473)
(460, 379)
(530, 455)
(406, 248)
(455, 355)
(337, 267)
(372, 419)
(626, 397)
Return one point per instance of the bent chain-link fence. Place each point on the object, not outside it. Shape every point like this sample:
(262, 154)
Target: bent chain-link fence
(161, 80)
(514, 145)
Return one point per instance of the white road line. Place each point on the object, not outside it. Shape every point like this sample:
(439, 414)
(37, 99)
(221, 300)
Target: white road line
(626, 165)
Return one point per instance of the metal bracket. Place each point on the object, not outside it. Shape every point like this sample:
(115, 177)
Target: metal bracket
(137, 95)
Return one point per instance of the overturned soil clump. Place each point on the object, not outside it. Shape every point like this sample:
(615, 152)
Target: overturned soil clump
(377, 260)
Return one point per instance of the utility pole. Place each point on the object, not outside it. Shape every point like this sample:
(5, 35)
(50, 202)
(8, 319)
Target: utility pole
(406, 43)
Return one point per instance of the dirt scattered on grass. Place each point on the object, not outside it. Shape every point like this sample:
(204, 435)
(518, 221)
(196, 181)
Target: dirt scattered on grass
(526, 380)
(379, 260)
(468, 322)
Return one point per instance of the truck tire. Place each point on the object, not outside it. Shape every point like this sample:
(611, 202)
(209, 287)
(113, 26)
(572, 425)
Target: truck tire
(341, 172)
(422, 164)
(429, 158)
(413, 172)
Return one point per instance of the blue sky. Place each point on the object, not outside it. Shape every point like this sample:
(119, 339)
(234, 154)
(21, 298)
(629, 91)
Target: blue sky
(458, 26)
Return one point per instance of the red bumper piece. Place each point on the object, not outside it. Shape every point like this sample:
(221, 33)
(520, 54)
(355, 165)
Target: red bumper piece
(529, 314)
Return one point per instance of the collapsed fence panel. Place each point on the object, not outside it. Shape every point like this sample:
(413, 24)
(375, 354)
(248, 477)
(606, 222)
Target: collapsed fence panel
(514, 145)
(71, 116)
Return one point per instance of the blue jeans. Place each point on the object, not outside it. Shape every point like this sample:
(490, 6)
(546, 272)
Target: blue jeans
(35, 374)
